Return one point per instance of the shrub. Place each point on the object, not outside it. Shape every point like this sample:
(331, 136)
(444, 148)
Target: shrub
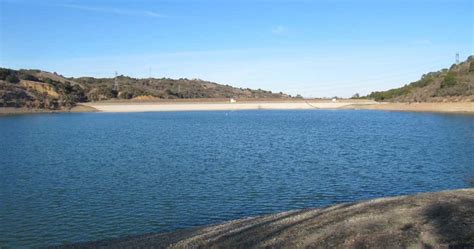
(12, 78)
(471, 67)
(423, 82)
(449, 80)
(125, 95)
(459, 89)
(4, 73)
(28, 77)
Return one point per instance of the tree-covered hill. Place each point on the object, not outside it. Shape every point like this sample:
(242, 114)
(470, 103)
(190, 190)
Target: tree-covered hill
(453, 84)
(44, 90)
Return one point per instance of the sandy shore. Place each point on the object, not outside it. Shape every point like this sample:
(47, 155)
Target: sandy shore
(459, 107)
(456, 107)
(219, 106)
(433, 220)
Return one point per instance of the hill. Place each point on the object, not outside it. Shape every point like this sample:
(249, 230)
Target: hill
(433, 220)
(454, 84)
(44, 90)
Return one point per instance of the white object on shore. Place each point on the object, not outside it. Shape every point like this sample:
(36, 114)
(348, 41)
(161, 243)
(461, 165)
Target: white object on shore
(233, 100)
(334, 100)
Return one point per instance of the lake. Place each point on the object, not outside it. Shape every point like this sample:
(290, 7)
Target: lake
(88, 176)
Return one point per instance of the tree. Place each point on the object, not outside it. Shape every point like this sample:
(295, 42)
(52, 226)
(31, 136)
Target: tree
(355, 96)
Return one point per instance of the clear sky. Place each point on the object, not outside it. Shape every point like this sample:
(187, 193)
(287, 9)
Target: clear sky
(314, 48)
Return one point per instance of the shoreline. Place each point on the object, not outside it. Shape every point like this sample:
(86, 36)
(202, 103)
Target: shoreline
(446, 107)
(436, 107)
(12, 111)
(220, 106)
(214, 105)
(439, 219)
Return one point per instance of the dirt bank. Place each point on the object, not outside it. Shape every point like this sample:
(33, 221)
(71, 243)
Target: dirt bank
(433, 220)
(450, 107)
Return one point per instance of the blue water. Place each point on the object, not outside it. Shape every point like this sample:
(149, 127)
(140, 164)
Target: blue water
(79, 177)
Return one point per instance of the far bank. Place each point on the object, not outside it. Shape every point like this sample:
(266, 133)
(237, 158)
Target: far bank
(223, 105)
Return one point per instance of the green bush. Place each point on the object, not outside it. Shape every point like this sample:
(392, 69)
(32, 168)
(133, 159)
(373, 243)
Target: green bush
(422, 83)
(4, 73)
(125, 95)
(390, 94)
(28, 77)
(471, 67)
(8, 75)
(449, 80)
(459, 89)
(12, 78)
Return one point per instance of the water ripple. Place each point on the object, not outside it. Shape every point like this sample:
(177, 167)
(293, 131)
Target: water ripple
(79, 177)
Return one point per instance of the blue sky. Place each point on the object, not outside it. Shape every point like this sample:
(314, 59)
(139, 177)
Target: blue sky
(314, 48)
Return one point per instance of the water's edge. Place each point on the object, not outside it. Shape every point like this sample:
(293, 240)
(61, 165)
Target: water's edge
(431, 219)
(466, 108)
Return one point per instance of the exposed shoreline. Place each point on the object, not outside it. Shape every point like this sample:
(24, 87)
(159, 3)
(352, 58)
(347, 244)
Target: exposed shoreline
(442, 219)
(448, 107)
(443, 107)
(220, 105)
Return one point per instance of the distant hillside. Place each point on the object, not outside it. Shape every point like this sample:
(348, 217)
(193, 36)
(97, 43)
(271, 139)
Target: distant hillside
(454, 84)
(44, 90)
